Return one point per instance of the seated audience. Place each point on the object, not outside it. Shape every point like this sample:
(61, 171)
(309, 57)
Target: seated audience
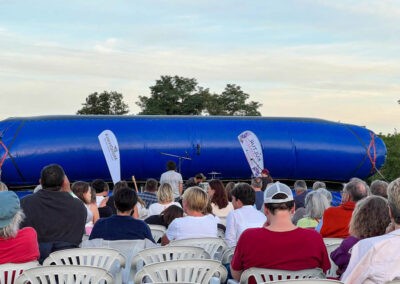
(82, 190)
(122, 226)
(379, 187)
(166, 217)
(58, 218)
(165, 198)
(256, 184)
(300, 188)
(16, 245)
(377, 259)
(149, 195)
(195, 224)
(102, 190)
(315, 203)
(335, 221)
(245, 214)
(370, 218)
(218, 199)
(279, 244)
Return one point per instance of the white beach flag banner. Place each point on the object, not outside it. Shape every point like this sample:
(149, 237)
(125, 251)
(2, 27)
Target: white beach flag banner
(253, 151)
(109, 145)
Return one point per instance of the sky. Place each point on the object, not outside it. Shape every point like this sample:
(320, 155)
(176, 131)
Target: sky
(334, 60)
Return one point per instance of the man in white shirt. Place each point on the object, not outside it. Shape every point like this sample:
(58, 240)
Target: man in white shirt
(377, 259)
(245, 214)
(173, 178)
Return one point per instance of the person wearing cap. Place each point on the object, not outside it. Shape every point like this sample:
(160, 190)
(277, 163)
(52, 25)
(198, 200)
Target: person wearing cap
(279, 244)
(58, 218)
(16, 245)
(266, 178)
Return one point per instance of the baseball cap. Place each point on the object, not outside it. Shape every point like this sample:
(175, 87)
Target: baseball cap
(276, 188)
(9, 207)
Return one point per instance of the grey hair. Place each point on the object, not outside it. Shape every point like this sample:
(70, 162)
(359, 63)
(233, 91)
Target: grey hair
(300, 185)
(318, 184)
(11, 230)
(357, 189)
(327, 194)
(379, 187)
(315, 204)
(3, 186)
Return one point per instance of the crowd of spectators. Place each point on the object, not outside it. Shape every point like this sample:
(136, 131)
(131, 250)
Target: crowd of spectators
(270, 224)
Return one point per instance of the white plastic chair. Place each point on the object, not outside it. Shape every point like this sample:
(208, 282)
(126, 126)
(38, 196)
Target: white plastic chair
(262, 275)
(227, 255)
(109, 259)
(180, 271)
(10, 271)
(330, 241)
(68, 274)
(306, 281)
(167, 253)
(157, 231)
(214, 246)
(332, 271)
(128, 248)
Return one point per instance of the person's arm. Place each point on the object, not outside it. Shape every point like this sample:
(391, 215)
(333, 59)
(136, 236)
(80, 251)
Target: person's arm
(180, 188)
(236, 274)
(230, 232)
(164, 240)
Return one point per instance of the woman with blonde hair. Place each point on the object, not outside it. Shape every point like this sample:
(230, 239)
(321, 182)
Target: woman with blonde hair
(196, 224)
(165, 198)
(370, 219)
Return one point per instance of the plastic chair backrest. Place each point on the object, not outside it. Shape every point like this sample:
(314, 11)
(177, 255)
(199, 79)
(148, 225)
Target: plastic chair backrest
(306, 281)
(214, 246)
(10, 271)
(68, 274)
(180, 271)
(332, 271)
(331, 241)
(267, 275)
(109, 259)
(167, 253)
(227, 255)
(128, 248)
(157, 231)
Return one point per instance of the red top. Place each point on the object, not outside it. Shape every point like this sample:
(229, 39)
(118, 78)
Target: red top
(293, 250)
(336, 220)
(23, 248)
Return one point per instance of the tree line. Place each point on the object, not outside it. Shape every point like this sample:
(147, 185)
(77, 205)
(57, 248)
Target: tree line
(175, 95)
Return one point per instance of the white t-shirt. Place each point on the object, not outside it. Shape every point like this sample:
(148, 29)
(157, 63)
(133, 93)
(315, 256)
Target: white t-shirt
(241, 219)
(157, 208)
(173, 179)
(193, 227)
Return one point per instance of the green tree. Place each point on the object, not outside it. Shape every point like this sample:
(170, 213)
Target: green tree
(104, 103)
(391, 168)
(182, 96)
(174, 96)
(232, 101)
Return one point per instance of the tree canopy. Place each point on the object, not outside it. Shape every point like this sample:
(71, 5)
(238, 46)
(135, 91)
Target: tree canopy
(182, 96)
(391, 169)
(104, 103)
